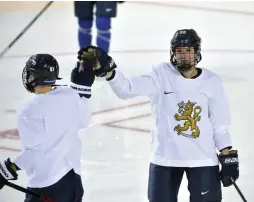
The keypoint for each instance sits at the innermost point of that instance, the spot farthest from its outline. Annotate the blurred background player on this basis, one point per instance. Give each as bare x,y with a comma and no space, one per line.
191,118
84,11
48,126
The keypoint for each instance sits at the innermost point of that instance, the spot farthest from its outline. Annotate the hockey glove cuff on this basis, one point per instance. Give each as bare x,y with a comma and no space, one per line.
230,168
82,78
7,172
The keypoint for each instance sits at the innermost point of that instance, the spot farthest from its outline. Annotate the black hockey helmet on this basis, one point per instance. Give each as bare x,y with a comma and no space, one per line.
40,69
185,38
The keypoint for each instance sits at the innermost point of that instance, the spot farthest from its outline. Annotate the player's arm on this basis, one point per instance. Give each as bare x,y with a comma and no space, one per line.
104,65
82,79
84,112
144,85
219,115
220,118
31,133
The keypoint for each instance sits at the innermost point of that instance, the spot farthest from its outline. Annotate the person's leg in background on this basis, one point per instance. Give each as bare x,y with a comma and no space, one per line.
105,10
84,12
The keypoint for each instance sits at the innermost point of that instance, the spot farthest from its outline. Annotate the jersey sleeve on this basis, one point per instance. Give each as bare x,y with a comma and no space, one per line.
144,85
31,131
84,112
219,115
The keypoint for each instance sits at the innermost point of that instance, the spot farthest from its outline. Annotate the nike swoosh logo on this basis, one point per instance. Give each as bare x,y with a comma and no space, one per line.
203,193
167,92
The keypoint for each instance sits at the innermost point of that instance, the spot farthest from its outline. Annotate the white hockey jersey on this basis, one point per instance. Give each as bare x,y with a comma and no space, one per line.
191,116
48,127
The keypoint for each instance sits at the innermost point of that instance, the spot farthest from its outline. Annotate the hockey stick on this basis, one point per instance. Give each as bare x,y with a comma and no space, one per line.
25,29
236,186
239,191
17,187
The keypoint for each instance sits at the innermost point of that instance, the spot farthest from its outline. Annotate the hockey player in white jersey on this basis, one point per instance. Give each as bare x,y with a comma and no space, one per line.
191,117
48,126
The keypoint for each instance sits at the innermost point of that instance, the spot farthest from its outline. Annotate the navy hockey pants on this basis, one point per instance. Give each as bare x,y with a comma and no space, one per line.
203,183
67,189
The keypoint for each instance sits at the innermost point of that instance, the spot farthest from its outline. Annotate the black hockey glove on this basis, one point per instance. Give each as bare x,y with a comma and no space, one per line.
100,60
82,78
230,168
6,172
